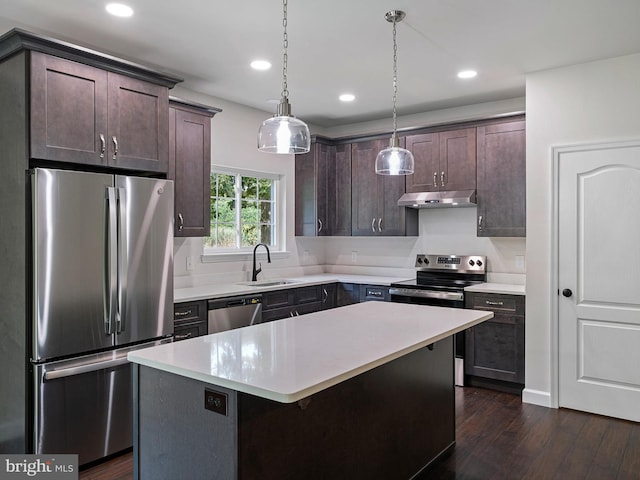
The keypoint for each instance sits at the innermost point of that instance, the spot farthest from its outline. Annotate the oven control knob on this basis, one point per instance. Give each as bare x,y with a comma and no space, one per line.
426,261
471,262
419,260
479,263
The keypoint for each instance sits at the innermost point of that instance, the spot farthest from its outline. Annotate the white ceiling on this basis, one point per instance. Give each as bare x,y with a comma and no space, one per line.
338,46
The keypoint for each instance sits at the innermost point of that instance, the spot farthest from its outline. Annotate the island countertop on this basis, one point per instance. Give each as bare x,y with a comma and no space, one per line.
290,359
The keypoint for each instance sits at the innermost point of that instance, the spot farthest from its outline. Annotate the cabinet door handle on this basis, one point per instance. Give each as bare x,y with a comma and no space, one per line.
435,179
180,222
442,179
325,295
115,147
479,222
319,225
380,225
291,313
103,145
297,314
182,314
489,302
182,337
373,225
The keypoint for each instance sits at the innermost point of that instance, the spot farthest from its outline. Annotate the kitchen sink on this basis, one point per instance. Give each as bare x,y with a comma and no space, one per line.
267,283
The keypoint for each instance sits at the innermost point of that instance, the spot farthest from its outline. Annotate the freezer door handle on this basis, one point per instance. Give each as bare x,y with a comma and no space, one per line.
80,369
111,261
123,259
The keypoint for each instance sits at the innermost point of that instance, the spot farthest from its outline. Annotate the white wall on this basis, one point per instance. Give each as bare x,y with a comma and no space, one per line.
234,137
591,102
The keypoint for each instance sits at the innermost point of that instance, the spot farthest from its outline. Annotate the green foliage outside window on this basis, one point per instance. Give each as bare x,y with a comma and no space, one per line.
242,211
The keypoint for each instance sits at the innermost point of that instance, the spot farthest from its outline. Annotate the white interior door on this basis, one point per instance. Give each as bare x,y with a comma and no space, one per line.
599,279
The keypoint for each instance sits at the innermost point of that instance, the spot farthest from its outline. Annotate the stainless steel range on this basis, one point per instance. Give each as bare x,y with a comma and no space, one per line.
440,281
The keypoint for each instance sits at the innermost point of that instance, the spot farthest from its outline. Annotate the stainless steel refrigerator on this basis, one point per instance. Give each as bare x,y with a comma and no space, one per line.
102,286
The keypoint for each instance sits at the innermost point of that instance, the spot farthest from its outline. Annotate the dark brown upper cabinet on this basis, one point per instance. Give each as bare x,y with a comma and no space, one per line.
323,191
83,114
375,210
502,180
443,160
190,166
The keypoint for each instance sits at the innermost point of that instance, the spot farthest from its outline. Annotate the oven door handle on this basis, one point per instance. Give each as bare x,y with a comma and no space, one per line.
414,292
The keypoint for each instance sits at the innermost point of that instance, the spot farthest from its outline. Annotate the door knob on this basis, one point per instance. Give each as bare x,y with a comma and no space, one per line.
567,292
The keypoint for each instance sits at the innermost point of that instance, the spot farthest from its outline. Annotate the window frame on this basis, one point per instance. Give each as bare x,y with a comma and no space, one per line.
278,247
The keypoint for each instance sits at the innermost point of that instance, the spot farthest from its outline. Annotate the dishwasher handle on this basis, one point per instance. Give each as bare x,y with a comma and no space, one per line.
235,303
217,303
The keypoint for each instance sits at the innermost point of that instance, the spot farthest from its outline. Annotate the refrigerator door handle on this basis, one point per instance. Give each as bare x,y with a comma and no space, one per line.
111,261
123,259
80,369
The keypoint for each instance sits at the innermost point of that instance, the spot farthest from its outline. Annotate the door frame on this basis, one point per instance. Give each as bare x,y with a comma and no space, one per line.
554,331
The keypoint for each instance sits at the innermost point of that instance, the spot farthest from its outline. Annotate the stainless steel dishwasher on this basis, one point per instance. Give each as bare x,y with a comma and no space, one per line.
234,312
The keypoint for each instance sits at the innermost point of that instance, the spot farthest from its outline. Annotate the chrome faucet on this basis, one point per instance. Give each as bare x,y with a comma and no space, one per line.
256,271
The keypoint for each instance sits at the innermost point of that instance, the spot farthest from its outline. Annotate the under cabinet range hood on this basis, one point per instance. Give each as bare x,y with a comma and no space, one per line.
457,198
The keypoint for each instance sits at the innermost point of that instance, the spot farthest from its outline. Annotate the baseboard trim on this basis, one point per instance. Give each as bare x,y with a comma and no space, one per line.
537,397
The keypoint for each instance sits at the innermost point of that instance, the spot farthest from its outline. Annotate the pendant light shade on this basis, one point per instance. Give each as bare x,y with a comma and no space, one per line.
395,160
284,133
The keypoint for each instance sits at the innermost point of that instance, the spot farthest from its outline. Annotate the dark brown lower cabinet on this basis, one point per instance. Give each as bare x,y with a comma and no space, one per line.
347,294
495,348
329,291
291,302
189,320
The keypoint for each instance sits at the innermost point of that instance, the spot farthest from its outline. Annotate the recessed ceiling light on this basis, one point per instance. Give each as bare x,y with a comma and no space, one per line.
347,97
119,9
467,74
260,65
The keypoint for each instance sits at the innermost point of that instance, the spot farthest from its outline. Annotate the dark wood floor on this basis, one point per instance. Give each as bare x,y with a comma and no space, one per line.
498,437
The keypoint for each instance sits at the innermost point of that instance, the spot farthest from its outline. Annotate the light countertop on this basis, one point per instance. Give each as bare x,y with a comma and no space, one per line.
504,288
290,359
206,292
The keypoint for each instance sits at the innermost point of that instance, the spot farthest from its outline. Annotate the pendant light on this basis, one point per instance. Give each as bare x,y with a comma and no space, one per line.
284,133
394,160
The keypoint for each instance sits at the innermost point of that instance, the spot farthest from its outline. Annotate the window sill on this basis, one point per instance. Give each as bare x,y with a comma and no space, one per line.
241,256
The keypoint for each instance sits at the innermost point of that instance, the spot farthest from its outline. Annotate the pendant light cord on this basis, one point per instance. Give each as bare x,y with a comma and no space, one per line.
285,44
395,77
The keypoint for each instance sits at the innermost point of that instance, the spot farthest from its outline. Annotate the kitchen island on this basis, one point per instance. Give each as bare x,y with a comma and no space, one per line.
363,391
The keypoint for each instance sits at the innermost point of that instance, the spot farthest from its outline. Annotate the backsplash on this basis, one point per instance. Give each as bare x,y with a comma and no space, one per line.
442,231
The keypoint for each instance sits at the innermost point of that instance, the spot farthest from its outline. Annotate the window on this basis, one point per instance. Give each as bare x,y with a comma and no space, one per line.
243,211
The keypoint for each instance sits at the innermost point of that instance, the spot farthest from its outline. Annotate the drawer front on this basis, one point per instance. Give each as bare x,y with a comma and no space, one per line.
189,311
189,330
513,304
374,292
278,299
308,294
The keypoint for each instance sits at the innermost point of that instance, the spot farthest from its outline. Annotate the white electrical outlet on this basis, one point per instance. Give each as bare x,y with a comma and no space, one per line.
354,257
189,263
